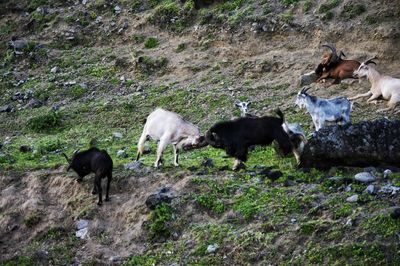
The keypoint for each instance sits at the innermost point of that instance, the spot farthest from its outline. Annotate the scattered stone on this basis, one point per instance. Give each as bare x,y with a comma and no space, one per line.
335,178
117,10
293,220
117,135
270,174
82,229
82,224
163,195
122,153
371,189
353,198
386,173
146,150
33,103
223,168
55,106
7,109
389,189
395,214
24,148
365,177
70,83
81,233
212,248
347,188
55,69
349,222
192,168
207,162
308,78
133,165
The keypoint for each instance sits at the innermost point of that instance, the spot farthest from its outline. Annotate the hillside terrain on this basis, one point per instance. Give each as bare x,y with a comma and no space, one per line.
73,71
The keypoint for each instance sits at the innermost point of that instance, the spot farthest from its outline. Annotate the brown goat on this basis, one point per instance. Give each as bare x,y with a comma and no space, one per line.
333,66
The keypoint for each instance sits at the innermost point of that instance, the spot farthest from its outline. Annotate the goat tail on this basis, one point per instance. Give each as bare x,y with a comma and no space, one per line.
280,114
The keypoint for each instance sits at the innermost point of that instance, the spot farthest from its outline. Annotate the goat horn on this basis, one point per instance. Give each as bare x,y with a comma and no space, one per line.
369,61
66,157
341,53
333,49
306,89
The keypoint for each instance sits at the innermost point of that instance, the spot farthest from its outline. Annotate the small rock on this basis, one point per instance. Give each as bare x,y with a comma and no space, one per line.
24,148
55,69
117,135
353,198
348,188
395,214
163,195
81,233
335,178
386,173
212,248
122,153
7,109
389,189
81,224
349,222
371,189
133,166
207,162
293,220
33,103
308,78
117,9
365,177
55,106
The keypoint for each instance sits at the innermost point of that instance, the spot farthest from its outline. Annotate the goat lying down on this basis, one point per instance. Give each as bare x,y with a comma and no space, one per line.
322,111
169,128
381,85
236,136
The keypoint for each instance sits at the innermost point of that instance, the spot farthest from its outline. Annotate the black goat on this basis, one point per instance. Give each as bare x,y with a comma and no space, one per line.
94,161
236,136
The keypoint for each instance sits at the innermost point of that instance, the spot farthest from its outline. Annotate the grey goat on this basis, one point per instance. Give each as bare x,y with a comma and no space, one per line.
322,111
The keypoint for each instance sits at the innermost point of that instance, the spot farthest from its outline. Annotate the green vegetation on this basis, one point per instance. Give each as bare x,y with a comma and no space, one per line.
289,2
324,8
33,219
45,122
159,222
307,6
150,43
351,11
287,17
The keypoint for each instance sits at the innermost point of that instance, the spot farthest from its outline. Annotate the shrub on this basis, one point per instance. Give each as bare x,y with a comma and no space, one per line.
160,218
351,11
151,42
45,122
328,6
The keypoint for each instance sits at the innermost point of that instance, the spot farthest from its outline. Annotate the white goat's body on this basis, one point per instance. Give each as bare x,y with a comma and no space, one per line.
168,128
323,111
381,85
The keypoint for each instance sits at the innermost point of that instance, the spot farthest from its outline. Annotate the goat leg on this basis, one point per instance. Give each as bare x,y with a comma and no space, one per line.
109,177
98,183
367,94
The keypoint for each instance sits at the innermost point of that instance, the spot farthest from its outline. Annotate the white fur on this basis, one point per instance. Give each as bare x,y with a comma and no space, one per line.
168,128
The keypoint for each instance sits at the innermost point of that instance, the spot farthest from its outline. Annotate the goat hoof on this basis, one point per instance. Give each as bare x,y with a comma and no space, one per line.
107,199
94,192
99,203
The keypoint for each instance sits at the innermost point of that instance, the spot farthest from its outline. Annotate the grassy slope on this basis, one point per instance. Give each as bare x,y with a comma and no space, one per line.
248,217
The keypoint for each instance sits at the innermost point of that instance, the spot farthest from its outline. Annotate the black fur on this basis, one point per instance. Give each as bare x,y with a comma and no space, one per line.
94,161
236,136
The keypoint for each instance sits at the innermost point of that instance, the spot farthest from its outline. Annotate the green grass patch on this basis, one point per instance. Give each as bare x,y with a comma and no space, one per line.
351,11
151,43
46,122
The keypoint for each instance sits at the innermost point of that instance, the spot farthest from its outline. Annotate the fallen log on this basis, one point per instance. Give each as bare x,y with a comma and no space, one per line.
368,143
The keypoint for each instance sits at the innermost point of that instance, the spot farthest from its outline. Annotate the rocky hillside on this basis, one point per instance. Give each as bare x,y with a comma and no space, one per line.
72,71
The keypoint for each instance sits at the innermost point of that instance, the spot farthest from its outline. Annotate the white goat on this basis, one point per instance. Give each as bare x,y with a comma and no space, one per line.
335,110
169,127
381,85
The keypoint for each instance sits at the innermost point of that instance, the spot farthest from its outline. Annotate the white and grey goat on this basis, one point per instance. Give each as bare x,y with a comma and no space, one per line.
381,85
322,111
244,108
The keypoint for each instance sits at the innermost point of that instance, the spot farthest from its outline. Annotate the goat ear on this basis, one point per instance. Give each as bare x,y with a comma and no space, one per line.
248,103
